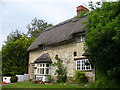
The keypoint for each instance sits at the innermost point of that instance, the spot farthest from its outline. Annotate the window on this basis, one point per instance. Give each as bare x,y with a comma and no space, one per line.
75,53
83,65
80,38
43,69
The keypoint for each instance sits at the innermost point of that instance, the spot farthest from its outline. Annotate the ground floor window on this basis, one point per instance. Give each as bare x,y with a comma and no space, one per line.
43,69
83,65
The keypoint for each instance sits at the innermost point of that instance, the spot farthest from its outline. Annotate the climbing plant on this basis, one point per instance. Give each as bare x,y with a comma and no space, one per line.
60,71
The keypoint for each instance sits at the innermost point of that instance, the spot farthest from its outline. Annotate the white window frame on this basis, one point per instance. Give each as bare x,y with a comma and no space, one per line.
80,65
44,67
82,38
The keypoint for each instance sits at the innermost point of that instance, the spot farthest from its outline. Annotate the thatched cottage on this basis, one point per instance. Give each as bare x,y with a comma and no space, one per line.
65,40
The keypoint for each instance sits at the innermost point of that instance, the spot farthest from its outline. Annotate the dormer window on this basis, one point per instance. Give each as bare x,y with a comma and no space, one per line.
80,38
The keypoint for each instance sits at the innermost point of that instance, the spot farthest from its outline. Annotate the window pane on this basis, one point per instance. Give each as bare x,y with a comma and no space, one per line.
47,70
87,67
82,66
43,65
47,65
38,71
78,62
40,65
78,68
41,70
83,38
37,65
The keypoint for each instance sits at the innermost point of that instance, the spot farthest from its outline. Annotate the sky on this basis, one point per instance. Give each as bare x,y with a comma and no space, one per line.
17,14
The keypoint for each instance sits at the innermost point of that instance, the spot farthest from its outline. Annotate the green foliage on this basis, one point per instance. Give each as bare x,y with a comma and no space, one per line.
36,27
13,79
15,56
60,71
114,73
93,6
103,82
13,36
28,84
70,79
103,39
61,78
80,77
82,14
30,79
49,78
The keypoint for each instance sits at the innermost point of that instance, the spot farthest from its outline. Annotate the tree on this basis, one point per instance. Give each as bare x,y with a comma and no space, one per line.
103,39
13,36
36,27
15,56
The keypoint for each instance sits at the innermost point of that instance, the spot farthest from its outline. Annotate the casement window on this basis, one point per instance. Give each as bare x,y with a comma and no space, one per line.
43,69
83,65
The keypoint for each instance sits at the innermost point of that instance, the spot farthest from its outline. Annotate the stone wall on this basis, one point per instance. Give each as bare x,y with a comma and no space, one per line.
64,52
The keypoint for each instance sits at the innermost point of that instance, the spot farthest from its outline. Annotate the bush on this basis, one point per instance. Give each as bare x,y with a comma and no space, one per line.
61,78
70,79
49,78
114,74
80,77
13,79
30,79
104,82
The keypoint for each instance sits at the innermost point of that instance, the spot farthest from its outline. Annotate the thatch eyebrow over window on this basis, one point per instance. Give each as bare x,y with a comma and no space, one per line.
44,58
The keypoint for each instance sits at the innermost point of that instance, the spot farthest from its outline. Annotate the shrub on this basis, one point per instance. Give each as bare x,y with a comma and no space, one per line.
104,82
49,78
30,79
70,79
61,78
80,77
114,74
13,79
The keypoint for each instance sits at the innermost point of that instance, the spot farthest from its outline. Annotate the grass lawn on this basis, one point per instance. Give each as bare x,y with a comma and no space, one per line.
28,84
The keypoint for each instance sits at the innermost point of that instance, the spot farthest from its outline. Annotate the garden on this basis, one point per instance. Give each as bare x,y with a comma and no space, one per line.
30,84
78,81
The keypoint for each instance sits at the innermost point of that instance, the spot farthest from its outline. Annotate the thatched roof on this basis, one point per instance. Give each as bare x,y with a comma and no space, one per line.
59,33
45,58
